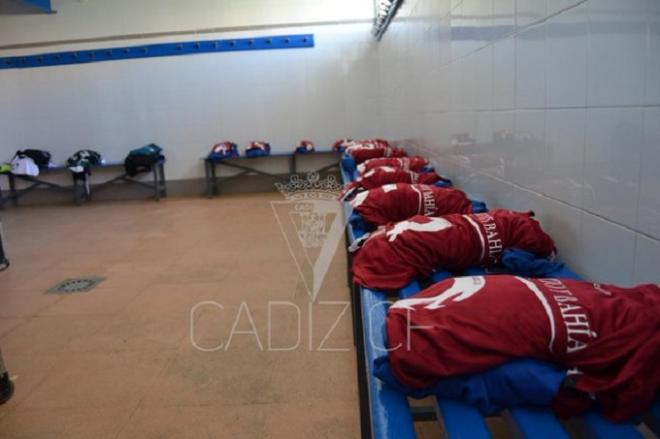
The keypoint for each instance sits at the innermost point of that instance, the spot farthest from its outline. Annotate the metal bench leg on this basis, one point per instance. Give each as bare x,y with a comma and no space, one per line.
76,195
84,193
154,171
214,178
12,190
207,177
3,199
161,169
88,188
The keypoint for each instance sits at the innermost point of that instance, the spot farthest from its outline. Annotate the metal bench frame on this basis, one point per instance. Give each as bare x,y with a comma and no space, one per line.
248,166
81,190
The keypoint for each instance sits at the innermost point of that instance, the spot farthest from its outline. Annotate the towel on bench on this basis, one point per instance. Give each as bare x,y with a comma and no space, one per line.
515,383
608,337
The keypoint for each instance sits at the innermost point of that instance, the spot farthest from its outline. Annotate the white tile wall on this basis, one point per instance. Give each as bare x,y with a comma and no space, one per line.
93,19
649,198
605,251
186,104
618,35
564,155
504,74
530,68
652,90
530,11
612,163
647,255
504,17
555,6
525,162
566,58
574,118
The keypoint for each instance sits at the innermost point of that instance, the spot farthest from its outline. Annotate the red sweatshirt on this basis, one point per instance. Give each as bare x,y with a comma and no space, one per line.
608,337
414,163
395,254
364,152
378,177
392,203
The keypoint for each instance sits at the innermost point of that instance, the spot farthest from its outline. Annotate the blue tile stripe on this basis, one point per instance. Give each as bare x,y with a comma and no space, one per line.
155,50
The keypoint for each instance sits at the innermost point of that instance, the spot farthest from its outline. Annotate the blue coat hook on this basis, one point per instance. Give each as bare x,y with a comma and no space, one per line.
156,50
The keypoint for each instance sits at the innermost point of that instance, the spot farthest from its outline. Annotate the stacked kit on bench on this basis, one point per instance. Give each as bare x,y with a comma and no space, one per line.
226,154
29,165
472,358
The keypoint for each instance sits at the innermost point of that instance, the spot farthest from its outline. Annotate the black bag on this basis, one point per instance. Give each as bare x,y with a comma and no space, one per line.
82,161
41,158
142,159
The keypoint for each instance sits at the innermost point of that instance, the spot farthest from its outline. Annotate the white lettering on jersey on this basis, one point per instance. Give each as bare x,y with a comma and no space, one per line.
600,288
546,307
430,208
359,199
434,225
419,198
574,315
389,187
492,235
387,169
479,234
462,289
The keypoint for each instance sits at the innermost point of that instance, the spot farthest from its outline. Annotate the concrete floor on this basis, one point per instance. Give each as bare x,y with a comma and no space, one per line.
118,362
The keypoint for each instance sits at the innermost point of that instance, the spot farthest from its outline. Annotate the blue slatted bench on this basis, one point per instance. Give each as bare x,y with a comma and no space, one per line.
389,414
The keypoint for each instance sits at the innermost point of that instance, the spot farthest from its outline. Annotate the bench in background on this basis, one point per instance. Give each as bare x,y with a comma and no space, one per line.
250,166
82,189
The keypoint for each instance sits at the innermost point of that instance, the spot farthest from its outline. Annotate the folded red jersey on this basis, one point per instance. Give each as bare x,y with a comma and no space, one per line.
371,149
392,203
414,163
394,255
608,337
378,177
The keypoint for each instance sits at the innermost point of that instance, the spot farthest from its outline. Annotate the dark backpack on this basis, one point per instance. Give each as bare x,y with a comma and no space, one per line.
142,159
39,157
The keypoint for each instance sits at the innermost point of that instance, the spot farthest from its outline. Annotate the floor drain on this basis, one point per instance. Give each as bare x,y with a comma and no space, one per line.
81,285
